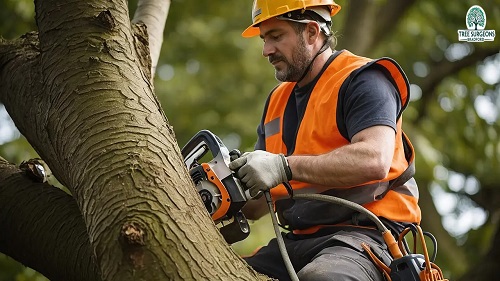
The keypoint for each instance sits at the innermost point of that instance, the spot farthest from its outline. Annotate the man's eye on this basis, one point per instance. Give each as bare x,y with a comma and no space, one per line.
272,37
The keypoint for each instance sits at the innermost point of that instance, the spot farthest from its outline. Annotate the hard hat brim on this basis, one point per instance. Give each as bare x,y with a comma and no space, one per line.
251,31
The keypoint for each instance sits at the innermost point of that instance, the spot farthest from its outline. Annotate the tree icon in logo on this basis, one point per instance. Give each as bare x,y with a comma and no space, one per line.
476,17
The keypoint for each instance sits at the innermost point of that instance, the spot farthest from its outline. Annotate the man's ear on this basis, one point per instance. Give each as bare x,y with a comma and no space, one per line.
313,31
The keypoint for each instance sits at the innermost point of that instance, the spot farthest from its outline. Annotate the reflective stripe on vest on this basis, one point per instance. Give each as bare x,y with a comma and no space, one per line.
318,133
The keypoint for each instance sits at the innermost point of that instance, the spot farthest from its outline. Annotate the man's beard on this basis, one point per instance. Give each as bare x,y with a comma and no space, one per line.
294,70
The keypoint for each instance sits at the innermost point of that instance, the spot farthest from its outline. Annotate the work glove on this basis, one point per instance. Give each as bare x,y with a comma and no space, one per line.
260,170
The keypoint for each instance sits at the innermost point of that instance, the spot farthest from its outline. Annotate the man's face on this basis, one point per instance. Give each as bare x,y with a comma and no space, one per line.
285,49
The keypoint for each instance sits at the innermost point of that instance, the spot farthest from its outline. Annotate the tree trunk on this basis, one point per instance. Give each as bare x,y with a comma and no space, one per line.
81,94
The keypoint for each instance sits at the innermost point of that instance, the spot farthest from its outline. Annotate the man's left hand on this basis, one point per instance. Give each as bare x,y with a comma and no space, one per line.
261,170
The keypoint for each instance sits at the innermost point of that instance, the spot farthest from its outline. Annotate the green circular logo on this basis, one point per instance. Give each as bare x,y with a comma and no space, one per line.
475,18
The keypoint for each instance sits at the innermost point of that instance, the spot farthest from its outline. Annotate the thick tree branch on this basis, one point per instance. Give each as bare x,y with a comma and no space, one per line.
43,228
16,52
153,13
22,91
442,69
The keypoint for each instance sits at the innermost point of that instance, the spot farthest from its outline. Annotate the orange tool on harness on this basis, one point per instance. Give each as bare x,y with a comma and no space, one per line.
407,266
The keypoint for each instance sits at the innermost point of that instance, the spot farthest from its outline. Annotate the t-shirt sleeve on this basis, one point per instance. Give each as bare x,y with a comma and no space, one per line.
370,100
261,134
261,138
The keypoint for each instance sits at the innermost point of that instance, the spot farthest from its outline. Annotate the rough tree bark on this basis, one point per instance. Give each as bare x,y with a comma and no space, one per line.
80,91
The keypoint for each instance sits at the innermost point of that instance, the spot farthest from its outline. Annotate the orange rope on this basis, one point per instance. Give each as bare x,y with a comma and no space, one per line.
381,265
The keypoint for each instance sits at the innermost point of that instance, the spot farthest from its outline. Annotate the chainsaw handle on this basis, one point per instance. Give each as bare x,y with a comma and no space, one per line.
200,143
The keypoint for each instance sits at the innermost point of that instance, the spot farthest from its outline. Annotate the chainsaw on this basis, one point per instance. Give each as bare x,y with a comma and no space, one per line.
221,192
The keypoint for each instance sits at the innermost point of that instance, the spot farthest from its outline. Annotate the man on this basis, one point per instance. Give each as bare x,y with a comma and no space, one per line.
333,126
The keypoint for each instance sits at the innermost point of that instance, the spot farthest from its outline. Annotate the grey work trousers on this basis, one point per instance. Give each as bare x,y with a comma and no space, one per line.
333,254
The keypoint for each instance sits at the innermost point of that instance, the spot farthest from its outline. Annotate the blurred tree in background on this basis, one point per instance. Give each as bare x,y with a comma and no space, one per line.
209,77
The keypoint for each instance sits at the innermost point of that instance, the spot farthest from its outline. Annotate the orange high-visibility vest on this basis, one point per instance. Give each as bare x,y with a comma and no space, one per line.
318,133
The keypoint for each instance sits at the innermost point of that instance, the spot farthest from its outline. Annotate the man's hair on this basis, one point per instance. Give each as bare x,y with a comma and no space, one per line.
299,27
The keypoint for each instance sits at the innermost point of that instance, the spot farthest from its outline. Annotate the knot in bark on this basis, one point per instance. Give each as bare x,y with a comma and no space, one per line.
133,234
105,20
34,169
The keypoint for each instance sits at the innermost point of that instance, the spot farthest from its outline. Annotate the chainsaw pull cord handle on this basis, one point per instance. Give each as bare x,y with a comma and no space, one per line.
279,239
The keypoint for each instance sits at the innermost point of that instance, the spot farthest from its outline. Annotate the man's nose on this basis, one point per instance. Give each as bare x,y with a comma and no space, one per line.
268,49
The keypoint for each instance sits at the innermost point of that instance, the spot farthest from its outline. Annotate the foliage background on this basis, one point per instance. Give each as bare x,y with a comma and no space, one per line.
209,77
